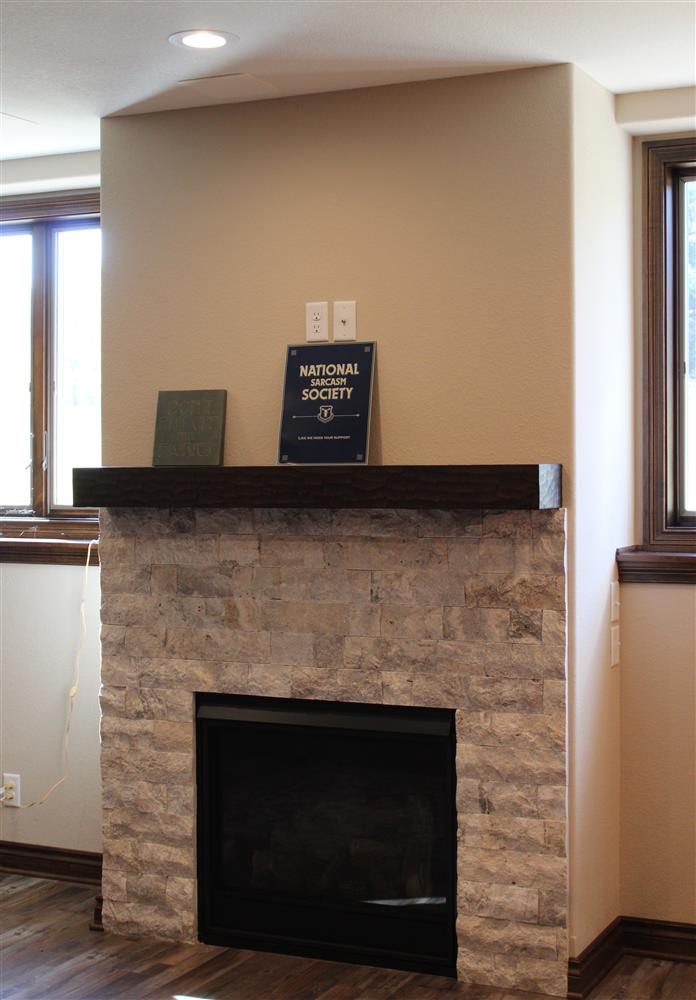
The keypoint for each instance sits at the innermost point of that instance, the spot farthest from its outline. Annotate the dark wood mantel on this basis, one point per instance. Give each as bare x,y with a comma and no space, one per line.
447,487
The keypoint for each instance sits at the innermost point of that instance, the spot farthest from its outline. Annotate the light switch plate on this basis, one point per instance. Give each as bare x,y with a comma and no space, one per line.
344,324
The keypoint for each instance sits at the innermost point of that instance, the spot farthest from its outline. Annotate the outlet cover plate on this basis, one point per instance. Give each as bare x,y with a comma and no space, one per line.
16,799
317,321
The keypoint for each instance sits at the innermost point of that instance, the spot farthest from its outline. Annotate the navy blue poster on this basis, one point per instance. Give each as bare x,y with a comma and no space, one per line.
326,404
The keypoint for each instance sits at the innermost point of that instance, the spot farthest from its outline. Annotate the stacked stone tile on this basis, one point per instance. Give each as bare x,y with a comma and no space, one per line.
464,610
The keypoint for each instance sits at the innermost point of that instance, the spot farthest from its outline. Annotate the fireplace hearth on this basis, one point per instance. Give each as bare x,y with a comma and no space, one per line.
328,829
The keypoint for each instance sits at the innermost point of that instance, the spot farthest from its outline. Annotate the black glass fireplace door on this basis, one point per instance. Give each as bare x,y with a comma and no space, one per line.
327,829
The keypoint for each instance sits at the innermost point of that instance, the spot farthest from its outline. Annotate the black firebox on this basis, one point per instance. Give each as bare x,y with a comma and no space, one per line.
328,829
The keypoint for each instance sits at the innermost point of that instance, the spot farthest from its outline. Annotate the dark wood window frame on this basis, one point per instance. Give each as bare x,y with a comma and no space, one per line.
46,535
668,551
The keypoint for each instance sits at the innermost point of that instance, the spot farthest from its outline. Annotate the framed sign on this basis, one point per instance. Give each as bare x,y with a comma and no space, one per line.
190,427
326,404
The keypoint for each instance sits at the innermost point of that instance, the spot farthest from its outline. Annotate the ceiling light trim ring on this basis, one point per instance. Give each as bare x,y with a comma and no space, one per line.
202,38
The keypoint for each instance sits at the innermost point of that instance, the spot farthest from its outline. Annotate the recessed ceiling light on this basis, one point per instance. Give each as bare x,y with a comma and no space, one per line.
202,39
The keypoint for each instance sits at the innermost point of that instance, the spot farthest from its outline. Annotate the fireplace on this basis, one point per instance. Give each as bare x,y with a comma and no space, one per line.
328,829
375,589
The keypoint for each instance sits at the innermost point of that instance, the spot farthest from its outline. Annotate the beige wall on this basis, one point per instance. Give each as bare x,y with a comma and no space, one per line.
602,512
39,636
447,210
658,716
658,752
442,208
490,259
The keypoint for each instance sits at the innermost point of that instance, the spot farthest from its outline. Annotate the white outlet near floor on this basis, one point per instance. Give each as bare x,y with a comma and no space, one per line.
12,796
317,321
344,325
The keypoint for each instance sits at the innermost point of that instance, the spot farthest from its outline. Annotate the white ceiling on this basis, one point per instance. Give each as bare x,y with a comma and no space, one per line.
66,63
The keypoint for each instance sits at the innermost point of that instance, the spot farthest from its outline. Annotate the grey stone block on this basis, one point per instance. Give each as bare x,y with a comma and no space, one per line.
218,643
477,624
180,550
497,763
402,621
306,553
519,591
525,625
394,655
507,937
502,902
385,554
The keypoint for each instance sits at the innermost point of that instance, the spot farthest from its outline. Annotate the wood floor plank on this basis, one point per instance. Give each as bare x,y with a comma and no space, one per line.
48,953
681,982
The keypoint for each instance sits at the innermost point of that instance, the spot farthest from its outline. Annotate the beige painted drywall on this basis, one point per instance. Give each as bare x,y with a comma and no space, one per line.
656,111
658,752
49,173
443,208
39,637
658,716
602,512
490,260
397,221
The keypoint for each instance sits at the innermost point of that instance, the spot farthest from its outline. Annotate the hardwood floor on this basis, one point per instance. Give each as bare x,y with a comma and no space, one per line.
48,953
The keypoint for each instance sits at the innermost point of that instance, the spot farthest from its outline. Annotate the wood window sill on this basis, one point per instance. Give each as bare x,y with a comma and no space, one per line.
57,541
638,565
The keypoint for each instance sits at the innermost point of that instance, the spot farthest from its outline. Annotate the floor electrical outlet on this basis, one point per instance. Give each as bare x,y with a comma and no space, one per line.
12,787
317,320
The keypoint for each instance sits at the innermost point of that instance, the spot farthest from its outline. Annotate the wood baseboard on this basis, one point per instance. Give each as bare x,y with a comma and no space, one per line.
629,936
51,862
592,964
658,939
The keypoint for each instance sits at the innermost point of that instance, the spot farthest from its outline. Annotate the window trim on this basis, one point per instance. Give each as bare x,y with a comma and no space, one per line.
668,551
685,518
48,535
663,160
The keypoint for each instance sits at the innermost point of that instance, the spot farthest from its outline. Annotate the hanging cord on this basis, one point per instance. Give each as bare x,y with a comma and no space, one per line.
72,694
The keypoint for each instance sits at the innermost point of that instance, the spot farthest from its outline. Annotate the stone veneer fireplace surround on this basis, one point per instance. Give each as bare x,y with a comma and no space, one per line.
457,609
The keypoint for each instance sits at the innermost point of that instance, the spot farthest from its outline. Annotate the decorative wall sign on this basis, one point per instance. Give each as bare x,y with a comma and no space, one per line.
190,427
326,404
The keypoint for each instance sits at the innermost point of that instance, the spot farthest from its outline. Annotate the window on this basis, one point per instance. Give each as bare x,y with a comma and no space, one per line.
668,552
50,267
685,323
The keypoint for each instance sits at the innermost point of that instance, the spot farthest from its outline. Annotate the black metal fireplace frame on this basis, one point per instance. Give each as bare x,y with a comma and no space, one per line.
220,709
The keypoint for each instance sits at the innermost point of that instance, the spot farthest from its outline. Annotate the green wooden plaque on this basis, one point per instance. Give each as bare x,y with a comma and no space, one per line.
190,427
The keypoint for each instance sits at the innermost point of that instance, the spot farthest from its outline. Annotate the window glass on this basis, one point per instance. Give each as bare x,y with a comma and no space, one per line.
76,357
15,369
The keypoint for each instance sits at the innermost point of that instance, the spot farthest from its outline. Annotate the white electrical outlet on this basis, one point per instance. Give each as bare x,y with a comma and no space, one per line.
344,325
615,646
12,785
615,597
317,320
